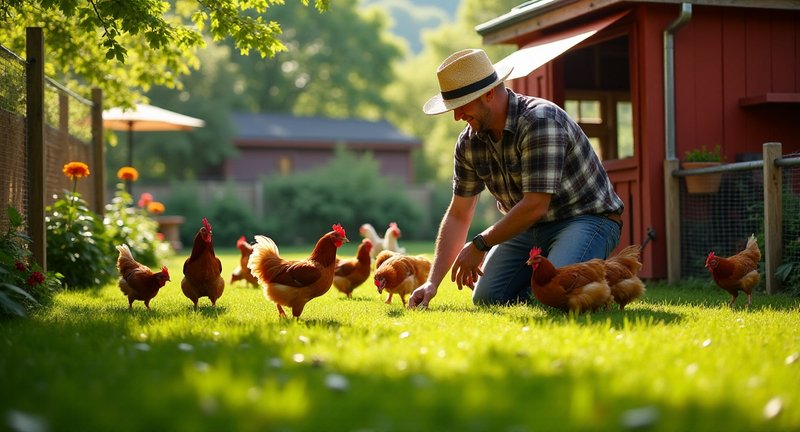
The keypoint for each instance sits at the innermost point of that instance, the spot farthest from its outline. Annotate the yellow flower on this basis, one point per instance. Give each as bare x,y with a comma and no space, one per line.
127,173
155,207
76,170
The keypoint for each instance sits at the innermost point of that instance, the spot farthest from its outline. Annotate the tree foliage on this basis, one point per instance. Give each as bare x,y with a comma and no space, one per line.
337,65
124,46
417,82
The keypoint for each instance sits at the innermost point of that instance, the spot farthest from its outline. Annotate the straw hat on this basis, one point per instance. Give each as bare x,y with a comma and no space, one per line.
463,77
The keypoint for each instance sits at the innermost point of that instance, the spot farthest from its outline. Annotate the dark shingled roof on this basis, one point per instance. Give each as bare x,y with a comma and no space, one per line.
286,127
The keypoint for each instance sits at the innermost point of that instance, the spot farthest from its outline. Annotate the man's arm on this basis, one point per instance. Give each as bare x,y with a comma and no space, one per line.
467,265
449,241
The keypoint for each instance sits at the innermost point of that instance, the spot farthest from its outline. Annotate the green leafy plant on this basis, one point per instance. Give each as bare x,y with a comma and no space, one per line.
77,243
135,227
23,284
703,155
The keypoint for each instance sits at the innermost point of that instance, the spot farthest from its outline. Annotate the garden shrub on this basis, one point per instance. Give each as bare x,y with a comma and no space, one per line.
231,218
349,190
134,226
23,284
77,243
184,200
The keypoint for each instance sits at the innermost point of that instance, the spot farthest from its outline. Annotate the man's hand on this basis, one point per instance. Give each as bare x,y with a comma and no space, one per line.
467,267
422,296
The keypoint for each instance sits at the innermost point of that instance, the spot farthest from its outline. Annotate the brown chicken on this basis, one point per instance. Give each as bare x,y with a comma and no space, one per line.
400,274
351,273
622,276
293,283
136,280
202,271
242,272
738,272
575,287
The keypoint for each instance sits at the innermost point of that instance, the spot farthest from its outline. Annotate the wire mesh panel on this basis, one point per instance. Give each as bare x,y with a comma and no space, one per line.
789,270
67,138
720,221
13,162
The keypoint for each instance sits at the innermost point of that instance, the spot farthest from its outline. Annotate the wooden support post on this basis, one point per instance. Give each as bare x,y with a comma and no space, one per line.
34,82
672,205
773,220
98,154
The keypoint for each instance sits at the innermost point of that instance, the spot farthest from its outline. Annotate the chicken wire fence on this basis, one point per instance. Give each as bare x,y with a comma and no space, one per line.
67,137
723,220
13,157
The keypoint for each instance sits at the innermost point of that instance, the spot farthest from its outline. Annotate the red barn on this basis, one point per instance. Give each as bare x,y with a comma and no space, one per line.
649,80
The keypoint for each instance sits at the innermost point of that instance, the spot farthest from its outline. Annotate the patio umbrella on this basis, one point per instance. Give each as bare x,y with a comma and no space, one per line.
147,118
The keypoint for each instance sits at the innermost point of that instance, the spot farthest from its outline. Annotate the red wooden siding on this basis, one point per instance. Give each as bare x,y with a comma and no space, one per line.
724,55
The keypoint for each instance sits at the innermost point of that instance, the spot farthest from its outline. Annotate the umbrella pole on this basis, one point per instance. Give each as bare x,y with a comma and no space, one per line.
129,185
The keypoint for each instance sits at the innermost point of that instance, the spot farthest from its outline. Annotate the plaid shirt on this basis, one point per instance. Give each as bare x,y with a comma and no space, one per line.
542,150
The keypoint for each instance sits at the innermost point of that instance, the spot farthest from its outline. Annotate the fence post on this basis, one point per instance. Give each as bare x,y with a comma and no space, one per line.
672,208
34,111
773,223
98,151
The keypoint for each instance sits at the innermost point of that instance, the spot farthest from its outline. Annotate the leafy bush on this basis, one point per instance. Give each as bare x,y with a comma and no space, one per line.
23,284
78,245
789,270
135,227
230,218
349,190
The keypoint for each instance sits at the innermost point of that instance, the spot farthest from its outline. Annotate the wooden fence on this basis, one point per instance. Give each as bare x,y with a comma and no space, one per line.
772,172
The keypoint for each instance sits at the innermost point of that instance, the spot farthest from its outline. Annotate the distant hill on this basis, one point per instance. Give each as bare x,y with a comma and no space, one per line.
411,17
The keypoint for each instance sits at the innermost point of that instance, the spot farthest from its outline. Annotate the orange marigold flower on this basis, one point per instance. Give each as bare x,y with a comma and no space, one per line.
127,173
76,170
160,236
155,207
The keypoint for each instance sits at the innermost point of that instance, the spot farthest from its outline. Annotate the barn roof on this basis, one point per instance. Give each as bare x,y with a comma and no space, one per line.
535,15
286,127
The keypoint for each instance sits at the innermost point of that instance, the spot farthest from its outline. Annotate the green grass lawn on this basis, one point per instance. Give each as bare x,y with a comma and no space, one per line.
677,360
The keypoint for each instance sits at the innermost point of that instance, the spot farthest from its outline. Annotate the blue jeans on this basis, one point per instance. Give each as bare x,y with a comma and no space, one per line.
506,276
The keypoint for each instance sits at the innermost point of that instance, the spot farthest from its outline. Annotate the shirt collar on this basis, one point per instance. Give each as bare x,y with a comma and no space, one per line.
511,117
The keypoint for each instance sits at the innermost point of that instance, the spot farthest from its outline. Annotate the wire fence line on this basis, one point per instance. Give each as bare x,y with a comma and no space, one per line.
721,221
13,157
71,131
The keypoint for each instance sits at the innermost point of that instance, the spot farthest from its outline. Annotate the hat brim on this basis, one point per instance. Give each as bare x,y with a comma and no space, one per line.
438,105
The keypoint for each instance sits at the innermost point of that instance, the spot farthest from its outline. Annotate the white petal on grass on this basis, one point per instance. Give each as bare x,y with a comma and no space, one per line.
303,339
706,343
142,337
526,329
202,366
141,346
24,422
185,347
405,334
792,358
298,358
773,408
639,418
337,382
691,369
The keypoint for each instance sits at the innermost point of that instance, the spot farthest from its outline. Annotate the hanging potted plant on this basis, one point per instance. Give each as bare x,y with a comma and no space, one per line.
702,158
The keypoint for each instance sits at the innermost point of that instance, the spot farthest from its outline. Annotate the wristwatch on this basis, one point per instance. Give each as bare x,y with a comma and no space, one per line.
480,243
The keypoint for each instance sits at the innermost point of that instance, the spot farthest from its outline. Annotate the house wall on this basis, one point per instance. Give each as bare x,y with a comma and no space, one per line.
253,162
